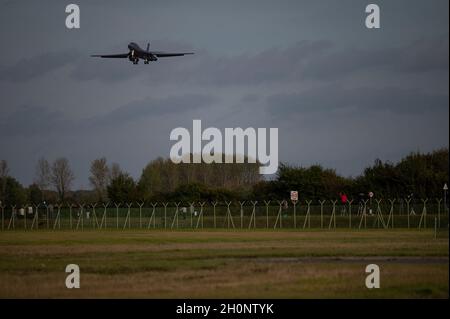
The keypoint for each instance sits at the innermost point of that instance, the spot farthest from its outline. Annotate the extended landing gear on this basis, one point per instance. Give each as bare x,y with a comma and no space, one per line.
136,61
146,61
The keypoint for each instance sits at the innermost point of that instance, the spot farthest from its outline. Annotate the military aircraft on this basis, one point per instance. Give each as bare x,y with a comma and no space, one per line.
136,53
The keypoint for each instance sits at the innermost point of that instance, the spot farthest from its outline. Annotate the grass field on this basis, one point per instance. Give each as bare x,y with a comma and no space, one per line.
224,264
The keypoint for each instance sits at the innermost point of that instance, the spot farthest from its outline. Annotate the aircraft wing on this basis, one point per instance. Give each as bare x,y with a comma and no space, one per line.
113,56
168,54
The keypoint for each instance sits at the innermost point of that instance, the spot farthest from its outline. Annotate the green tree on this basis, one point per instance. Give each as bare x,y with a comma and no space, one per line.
122,189
99,177
61,177
14,193
35,195
313,182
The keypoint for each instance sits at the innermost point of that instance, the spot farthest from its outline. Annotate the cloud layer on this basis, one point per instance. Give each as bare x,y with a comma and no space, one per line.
309,68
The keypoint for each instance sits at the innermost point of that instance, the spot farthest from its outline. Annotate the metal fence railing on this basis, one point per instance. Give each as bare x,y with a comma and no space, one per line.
322,214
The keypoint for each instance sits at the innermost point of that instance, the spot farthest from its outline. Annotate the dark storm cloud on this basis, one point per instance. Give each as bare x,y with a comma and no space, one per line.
416,57
32,120
255,62
306,60
361,100
250,98
155,107
36,66
37,120
268,66
320,60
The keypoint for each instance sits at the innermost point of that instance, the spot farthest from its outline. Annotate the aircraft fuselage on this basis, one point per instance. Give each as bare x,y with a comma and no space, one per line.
136,53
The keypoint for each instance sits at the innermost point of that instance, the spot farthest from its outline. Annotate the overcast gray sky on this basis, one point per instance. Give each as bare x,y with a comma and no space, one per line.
340,94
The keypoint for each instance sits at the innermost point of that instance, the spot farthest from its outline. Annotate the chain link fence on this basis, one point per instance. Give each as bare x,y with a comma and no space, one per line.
269,214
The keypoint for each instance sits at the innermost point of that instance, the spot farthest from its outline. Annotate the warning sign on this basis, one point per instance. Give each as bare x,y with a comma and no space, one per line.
294,196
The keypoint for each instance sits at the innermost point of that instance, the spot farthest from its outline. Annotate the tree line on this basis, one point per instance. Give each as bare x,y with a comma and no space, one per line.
418,174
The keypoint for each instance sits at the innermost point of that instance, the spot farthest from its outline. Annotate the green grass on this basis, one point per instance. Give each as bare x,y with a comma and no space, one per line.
225,263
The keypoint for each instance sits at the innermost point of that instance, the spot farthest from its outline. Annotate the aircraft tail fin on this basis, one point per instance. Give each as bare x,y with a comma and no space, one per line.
148,46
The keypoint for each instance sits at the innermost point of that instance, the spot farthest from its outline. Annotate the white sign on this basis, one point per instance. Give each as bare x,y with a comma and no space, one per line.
370,194
445,187
294,196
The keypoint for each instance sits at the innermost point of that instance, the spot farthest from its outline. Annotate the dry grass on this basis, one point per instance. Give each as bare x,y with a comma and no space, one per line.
224,264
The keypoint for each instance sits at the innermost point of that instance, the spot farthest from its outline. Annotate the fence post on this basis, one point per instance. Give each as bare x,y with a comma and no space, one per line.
80,217
94,215
46,212
308,214
350,213
165,214
3,217
152,216
321,202
279,216
242,212
267,202
25,216
423,216
380,219
363,214
229,216
439,201
435,227
58,217
104,217
140,213
11,219
391,213
35,218
200,215
214,212
175,217
408,200
253,216
117,214
70,215
128,217
333,215
402,206
191,211
294,202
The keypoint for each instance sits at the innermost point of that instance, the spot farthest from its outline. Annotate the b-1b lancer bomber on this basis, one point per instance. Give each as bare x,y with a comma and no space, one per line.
136,52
